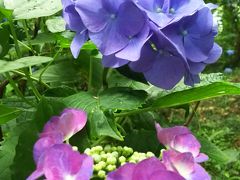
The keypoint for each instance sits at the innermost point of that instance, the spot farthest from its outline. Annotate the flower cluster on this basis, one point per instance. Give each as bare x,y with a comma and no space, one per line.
179,161
56,160
166,40
108,158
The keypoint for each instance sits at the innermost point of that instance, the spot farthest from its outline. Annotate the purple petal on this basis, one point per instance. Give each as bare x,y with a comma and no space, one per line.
131,19
69,123
191,79
147,167
166,71
168,175
199,173
201,158
93,15
214,54
183,163
77,43
44,143
61,162
147,58
109,40
186,143
112,5
113,61
132,51
72,18
166,135
124,172
197,49
196,68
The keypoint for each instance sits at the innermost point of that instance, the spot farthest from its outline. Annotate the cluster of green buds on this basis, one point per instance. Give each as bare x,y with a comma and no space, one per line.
109,158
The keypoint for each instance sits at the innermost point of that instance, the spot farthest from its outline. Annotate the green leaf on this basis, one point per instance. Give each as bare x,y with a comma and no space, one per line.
23,62
24,153
213,151
4,43
47,108
25,9
100,125
54,73
56,24
9,144
197,94
122,98
149,141
8,114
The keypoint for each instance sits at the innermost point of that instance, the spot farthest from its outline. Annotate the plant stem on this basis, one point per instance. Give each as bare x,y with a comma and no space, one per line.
54,58
17,91
15,39
189,120
90,76
19,54
33,78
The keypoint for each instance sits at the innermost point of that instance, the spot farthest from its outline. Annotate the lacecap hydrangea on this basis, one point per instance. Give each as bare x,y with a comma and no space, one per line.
166,40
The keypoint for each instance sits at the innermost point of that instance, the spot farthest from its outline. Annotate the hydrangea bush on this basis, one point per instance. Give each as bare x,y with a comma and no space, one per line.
83,86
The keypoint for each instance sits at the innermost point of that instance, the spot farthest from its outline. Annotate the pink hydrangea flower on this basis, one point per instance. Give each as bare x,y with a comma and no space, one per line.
68,123
184,164
61,162
180,139
148,169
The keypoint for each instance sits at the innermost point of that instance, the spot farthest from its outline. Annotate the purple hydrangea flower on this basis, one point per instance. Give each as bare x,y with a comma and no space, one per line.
228,70
61,162
148,169
180,139
163,65
230,52
164,12
111,24
195,37
68,123
74,23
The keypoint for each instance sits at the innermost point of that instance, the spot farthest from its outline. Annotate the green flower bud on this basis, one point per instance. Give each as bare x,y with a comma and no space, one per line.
114,149
87,151
103,164
122,159
107,148
97,148
101,174
150,154
111,167
119,148
97,167
111,160
114,154
104,156
97,158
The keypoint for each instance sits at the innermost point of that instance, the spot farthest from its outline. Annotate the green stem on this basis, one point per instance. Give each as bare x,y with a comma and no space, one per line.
54,58
90,74
19,54
33,78
15,39
27,35
17,91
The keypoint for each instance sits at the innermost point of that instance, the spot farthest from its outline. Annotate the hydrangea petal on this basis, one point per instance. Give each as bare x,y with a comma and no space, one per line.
113,61
166,72
132,51
77,43
124,172
168,175
147,167
214,54
201,158
93,15
166,135
69,123
61,162
186,143
199,173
